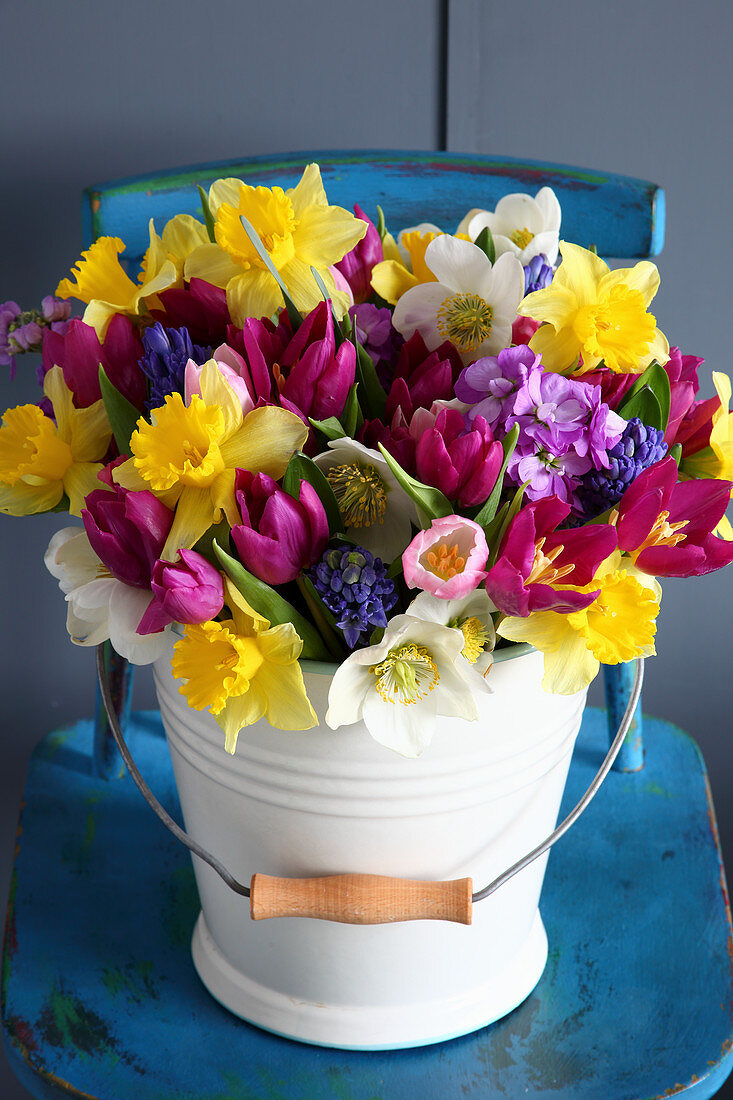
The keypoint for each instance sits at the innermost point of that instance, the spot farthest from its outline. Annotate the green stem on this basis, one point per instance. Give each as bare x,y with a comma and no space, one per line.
332,643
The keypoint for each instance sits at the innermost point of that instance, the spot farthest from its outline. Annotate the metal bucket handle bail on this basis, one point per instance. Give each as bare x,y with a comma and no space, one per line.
355,898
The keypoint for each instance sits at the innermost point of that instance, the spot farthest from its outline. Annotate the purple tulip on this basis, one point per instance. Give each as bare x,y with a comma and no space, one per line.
356,266
666,526
422,377
79,353
534,557
127,531
187,591
279,536
463,464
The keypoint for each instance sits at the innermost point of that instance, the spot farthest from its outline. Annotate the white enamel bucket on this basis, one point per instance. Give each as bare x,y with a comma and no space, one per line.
323,802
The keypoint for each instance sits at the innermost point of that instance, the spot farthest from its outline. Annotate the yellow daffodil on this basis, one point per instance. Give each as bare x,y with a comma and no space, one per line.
180,236
189,454
403,266
40,460
298,229
618,626
243,669
102,282
591,316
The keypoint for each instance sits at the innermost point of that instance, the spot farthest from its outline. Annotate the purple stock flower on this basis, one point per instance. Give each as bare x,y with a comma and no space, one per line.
490,384
187,591
537,274
548,412
9,312
55,310
355,588
375,332
164,363
463,464
356,266
127,531
279,536
547,474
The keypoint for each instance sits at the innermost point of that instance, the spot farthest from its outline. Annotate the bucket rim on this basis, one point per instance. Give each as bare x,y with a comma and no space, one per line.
508,653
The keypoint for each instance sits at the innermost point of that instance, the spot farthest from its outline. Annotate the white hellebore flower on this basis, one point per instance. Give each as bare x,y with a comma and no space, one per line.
100,607
471,615
377,512
474,302
400,686
521,224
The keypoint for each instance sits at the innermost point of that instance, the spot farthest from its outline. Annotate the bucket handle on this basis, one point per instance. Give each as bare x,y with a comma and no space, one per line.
357,898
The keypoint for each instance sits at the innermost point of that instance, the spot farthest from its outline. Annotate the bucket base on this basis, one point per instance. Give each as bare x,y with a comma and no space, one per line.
370,1027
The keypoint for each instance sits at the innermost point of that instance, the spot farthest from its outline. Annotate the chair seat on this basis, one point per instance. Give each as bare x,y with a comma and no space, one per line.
101,998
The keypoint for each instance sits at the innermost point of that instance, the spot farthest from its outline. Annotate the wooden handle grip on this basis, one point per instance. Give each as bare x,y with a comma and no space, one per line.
360,899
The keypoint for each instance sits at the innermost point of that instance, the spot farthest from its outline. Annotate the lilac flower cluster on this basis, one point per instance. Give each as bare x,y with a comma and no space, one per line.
638,448
23,331
164,364
355,588
565,429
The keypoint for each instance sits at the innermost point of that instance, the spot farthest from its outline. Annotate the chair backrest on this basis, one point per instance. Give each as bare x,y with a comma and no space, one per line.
621,216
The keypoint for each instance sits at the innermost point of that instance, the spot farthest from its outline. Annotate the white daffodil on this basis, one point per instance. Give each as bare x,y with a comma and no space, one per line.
520,224
400,686
376,511
100,607
471,615
473,303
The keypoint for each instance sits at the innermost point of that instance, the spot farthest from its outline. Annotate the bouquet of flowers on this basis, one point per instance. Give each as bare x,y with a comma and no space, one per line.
296,436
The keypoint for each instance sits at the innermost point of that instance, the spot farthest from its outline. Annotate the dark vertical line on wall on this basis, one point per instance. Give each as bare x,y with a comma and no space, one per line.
443,16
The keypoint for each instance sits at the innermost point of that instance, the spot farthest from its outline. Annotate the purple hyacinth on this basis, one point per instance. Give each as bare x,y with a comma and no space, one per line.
166,353
355,588
537,274
639,447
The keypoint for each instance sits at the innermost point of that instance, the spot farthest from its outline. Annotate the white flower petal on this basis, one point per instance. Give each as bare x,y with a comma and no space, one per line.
348,690
459,265
127,606
405,728
417,311
517,212
70,559
549,207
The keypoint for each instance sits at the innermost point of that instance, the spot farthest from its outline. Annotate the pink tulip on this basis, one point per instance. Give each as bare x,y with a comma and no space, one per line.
448,559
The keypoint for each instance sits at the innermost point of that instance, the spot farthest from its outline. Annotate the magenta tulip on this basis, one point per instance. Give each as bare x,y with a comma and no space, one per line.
463,464
200,307
278,536
356,266
127,531
79,353
422,377
187,591
534,557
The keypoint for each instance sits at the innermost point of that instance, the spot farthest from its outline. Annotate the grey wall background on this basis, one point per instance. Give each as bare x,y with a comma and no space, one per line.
95,90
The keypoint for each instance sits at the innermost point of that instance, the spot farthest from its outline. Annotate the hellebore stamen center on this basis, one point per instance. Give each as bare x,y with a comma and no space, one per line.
407,674
360,493
466,320
521,237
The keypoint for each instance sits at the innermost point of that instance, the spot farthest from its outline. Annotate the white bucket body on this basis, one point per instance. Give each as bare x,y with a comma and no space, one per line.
323,801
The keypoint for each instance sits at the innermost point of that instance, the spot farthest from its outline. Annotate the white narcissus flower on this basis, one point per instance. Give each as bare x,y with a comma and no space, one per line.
400,686
471,615
100,607
473,303
520,224
377,512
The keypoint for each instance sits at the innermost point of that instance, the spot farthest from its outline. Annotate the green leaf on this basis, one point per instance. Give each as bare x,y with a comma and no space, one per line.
271,605
676,452
123,416
351,415
485,242
381,224
331,427
488,510
295,318
337,331
430,501
323,616
301,468
373,397
513,507
655,382
208,216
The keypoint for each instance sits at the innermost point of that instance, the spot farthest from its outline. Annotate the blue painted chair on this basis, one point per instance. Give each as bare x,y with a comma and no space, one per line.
99,994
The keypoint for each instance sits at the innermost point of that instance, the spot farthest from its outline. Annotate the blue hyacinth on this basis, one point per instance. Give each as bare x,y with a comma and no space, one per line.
164,364
639,447
355,588
537,274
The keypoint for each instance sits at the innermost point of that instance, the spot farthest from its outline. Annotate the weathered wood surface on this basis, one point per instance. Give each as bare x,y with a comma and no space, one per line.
623,217
100,998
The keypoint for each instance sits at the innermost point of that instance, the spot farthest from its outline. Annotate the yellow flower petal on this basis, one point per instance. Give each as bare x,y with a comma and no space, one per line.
22,499
580,271
215,390
324,234
391,280
99,274
212,264
80,480
266,442
194,516
253,293
308,191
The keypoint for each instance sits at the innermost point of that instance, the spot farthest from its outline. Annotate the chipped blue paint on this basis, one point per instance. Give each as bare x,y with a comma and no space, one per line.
623,217
101,999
